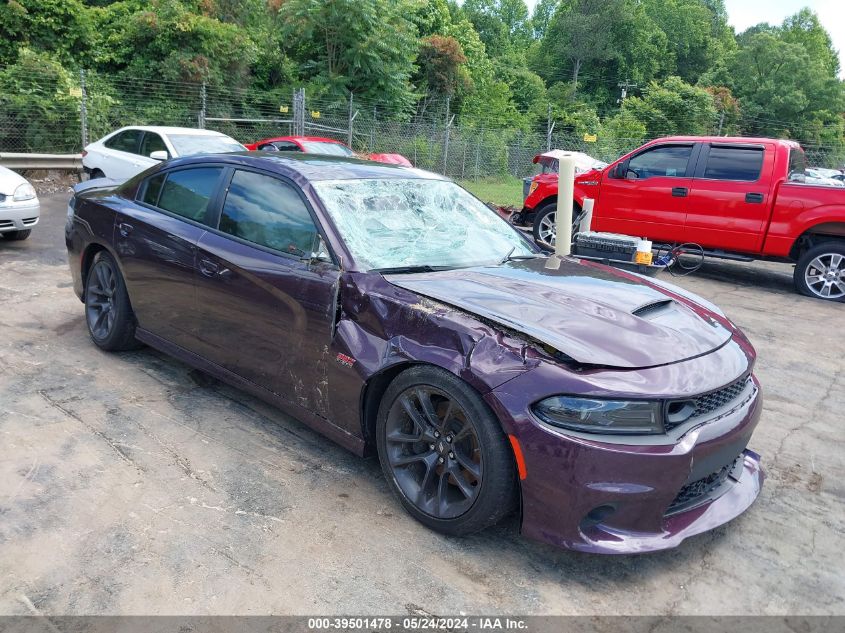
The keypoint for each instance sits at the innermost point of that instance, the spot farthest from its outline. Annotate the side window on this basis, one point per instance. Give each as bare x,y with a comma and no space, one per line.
669,160
152,189
187,192
797,165
734,163
266,211
152,143
288,146
125,141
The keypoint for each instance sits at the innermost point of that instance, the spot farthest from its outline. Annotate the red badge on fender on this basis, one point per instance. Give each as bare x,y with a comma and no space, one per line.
343,359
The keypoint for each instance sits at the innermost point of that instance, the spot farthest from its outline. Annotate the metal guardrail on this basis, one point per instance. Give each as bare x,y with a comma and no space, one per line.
64,162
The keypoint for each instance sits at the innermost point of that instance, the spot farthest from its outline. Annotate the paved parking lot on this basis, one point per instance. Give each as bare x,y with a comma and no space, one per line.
131,484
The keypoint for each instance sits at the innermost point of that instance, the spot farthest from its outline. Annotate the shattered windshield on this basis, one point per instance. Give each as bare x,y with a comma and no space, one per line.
414,222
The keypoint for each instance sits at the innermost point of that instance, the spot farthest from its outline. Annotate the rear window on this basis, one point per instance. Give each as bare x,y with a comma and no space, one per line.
734,163
797,164
329,149
187,192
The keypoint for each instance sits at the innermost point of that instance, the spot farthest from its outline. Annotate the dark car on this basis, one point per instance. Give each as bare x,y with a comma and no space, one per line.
396,314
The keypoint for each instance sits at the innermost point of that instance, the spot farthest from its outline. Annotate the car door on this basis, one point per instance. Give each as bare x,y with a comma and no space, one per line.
156,240
729,201
121,160
266,305
646,195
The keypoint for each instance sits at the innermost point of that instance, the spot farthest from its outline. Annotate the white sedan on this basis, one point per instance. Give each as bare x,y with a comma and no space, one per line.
130,150
19,207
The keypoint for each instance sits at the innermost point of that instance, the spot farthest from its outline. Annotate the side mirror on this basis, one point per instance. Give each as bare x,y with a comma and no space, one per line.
159,155
620,170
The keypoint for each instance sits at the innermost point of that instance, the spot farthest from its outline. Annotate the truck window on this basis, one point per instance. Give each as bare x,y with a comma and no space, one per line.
734,163
669,160
797,165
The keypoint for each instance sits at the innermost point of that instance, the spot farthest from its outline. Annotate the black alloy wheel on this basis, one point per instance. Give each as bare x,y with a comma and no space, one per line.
443,452
108,314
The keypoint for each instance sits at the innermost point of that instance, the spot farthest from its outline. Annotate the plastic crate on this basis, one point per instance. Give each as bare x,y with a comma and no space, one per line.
606,246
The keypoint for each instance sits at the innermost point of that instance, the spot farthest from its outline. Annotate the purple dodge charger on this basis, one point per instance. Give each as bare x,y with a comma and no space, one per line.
395,313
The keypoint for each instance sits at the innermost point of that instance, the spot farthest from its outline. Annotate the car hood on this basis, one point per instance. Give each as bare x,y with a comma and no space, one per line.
594,314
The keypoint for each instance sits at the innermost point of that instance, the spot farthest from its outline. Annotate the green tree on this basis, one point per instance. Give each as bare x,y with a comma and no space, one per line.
364,46
60,27
673,107
544,10
581,34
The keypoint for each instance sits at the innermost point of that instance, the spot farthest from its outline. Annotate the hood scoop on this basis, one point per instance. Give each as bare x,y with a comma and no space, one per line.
653,308
593,314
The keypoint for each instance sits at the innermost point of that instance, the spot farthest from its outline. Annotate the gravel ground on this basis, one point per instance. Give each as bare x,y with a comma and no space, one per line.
131,484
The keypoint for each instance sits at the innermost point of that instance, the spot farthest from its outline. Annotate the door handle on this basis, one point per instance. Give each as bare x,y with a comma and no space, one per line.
212,269
679,192
754,197
125,229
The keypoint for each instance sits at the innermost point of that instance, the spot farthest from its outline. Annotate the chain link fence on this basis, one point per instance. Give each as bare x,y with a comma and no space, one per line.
58,111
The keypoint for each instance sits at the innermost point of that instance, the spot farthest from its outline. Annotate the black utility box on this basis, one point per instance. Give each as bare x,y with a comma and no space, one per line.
606,246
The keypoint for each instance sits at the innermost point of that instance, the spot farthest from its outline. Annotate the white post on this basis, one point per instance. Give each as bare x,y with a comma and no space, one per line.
587,220
563,215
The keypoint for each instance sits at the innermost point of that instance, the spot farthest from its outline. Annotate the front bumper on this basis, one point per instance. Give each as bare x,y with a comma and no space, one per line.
19,216
620,496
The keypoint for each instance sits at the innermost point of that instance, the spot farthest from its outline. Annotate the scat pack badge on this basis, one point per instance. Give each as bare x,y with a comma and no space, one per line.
346,361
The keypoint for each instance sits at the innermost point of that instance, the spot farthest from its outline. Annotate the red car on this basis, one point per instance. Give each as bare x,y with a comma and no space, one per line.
739,198
321,145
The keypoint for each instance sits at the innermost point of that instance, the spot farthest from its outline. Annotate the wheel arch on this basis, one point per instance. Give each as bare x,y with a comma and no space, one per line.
817,234
371,395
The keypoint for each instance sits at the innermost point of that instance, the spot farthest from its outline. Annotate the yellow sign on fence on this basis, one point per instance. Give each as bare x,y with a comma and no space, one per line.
315,114
283,109
590,138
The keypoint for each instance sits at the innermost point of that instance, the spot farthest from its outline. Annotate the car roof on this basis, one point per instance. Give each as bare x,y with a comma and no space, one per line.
743,140
311,167
314,139
168,130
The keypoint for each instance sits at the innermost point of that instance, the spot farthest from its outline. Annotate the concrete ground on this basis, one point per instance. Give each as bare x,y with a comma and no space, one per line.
130,484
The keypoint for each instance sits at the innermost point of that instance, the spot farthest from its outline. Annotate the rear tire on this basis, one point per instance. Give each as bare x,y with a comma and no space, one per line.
108,314
97,173
443,452
820,272
16,236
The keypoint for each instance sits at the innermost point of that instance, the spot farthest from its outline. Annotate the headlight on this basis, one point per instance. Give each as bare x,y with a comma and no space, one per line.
589,415
24,192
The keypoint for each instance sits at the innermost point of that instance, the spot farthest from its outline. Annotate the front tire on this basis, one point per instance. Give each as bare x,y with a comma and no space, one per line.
97,173
545,228
16,236
108,313
443,452
820,272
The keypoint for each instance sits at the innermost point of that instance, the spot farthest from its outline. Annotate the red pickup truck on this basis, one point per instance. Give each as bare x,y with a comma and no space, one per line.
739,198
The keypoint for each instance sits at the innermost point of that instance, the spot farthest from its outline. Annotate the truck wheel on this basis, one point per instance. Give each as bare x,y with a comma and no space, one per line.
820,272
545,227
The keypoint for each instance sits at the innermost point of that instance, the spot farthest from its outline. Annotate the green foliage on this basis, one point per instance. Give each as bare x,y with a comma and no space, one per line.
499,67
367,47
673,107
39,104
60,27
